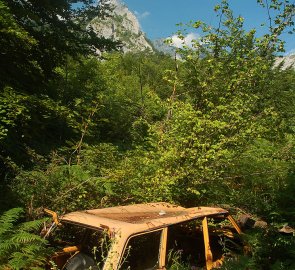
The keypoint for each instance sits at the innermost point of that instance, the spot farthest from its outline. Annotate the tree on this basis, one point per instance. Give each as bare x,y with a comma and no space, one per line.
37,36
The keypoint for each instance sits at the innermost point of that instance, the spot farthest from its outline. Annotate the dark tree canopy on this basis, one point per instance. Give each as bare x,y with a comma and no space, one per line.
37,36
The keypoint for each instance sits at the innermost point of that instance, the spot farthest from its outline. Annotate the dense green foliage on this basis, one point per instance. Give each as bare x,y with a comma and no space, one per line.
216,127
20,246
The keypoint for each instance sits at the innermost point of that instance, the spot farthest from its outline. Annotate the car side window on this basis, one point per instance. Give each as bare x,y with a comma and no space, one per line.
185,245
142,252
91,243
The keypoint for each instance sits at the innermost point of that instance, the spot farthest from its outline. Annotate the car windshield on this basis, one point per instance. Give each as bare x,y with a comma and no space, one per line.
94,243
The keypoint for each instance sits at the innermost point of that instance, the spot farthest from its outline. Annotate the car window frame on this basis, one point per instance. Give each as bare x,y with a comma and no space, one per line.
163,241
162,255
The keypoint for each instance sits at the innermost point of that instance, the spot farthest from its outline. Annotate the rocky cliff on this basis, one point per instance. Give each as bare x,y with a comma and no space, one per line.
121,25
286,61
161,46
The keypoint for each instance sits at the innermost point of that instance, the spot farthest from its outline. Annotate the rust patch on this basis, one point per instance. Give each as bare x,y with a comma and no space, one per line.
139,217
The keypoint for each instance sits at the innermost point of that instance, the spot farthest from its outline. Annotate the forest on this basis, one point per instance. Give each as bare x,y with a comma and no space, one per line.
214,126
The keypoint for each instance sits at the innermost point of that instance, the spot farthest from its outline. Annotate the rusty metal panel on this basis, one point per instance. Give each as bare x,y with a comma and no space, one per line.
163,246
140,217
208,252
234,223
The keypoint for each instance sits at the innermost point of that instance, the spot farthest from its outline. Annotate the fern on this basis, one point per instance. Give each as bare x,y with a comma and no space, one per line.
32,225
8,218
22,237
20,248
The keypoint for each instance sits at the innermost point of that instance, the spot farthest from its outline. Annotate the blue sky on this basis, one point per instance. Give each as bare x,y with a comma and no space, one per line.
158,18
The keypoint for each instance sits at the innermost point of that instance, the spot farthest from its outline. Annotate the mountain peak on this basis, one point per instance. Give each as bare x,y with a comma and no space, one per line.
122,25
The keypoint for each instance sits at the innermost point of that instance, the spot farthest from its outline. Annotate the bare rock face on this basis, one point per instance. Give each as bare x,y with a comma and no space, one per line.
246,221
260,224
286,61
122,25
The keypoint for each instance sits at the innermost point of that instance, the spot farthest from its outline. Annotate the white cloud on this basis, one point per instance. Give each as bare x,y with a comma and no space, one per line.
292,52
145,14
142,15
187,40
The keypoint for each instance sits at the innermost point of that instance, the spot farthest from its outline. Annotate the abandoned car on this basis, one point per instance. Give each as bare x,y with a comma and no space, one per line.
141,237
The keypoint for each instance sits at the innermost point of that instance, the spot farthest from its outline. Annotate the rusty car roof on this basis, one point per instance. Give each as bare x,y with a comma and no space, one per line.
139,217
